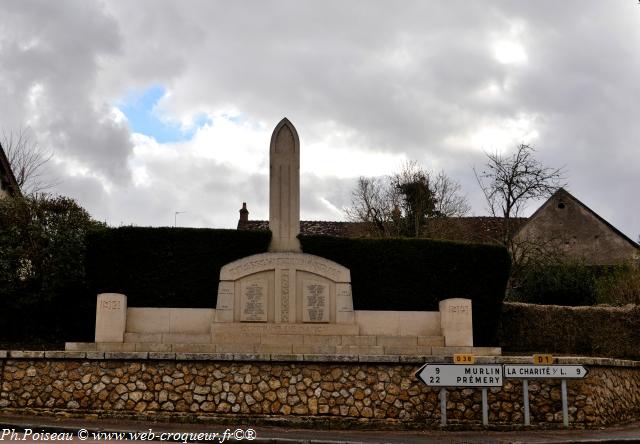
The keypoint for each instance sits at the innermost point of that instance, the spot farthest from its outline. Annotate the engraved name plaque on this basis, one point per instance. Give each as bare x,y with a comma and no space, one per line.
315,300
254,301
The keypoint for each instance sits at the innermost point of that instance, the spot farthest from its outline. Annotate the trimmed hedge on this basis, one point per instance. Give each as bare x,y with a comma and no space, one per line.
415,274
166,267
587,331
577,283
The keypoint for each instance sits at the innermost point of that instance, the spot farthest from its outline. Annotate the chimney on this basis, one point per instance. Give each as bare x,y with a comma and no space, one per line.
244,215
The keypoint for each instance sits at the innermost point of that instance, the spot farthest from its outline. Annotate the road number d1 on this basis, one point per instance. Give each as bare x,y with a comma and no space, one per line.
543,359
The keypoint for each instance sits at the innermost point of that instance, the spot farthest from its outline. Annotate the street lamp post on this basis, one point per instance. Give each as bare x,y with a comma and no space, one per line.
175,218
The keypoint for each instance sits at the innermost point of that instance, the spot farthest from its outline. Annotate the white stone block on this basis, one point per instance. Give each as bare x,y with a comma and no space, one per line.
191,320
398,323
148,320
111,317
456,322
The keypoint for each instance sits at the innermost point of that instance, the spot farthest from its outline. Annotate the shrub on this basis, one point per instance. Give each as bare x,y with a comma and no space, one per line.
42,273
585,331
560,284
576,284
620,286
415,274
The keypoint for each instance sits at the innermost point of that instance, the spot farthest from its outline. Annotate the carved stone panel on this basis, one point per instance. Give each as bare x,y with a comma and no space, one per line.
224,304
254,296
270,261
111,317
344,304
315,301
456,322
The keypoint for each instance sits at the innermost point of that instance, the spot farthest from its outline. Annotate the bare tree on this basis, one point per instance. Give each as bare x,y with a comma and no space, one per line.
372,204
27,160
450,201
510,182
403,202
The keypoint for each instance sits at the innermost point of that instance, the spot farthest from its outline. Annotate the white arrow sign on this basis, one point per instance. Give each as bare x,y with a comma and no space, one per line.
545,371
450,375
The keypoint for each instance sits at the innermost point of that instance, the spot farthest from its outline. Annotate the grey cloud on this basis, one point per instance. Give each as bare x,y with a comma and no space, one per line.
398,77
55,50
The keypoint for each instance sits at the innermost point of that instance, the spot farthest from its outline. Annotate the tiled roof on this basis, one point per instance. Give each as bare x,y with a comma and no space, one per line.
471,229
464,229
309,227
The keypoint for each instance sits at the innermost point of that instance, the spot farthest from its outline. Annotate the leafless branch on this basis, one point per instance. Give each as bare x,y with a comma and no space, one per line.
28,160
510,182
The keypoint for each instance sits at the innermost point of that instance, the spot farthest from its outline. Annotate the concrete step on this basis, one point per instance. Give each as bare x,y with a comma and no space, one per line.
297,347
246,328
167,338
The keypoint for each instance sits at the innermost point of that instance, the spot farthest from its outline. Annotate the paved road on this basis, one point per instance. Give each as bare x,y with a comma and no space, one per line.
279,435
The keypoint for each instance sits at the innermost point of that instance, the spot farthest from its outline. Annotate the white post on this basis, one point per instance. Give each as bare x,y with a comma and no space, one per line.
485,407
565,410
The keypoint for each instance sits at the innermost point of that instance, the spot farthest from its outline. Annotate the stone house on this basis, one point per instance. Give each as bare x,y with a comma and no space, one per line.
562,223
8,184
566,224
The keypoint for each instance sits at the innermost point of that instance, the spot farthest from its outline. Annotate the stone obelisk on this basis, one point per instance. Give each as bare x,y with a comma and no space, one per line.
285,285
284,188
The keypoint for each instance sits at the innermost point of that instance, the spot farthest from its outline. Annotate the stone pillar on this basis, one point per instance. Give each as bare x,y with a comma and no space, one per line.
111,317
284,188
456,322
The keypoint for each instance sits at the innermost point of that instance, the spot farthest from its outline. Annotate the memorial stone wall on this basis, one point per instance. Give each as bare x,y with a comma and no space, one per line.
347,394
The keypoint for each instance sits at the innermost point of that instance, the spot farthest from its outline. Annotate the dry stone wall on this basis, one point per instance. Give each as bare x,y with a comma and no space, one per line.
363,392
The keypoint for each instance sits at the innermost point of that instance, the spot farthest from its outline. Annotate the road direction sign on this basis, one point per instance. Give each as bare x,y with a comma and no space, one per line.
544,371
452,375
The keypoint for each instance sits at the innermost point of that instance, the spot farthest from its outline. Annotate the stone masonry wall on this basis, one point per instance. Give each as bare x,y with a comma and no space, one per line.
358,391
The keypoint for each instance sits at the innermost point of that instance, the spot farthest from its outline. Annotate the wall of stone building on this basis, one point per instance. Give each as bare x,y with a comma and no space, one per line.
565,224
363,392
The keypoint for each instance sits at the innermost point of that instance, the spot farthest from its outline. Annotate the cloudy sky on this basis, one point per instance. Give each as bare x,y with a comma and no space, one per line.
153,107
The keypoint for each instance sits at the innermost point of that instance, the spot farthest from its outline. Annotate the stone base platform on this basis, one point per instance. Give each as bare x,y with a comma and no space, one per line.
296,353
369,333
284,339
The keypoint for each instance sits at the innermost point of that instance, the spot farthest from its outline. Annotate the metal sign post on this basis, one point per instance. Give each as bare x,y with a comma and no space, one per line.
443,406
525,398
565,410
485,407
562,372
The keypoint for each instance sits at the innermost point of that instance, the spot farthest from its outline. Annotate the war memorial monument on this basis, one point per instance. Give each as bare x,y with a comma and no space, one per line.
284,301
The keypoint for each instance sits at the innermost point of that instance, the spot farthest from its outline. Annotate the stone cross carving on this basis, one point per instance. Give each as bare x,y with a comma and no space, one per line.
284,188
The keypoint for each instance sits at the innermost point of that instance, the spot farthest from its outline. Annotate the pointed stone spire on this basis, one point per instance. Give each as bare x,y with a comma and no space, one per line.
284,188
